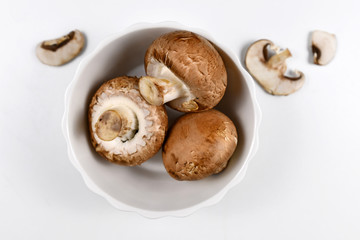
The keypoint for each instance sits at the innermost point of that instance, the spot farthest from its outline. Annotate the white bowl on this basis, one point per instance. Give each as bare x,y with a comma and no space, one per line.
148,189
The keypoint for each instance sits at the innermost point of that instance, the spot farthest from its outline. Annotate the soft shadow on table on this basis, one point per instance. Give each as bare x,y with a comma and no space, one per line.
243,52
309,47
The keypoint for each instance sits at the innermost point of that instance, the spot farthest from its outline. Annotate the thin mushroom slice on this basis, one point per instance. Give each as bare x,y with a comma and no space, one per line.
270,70
59,51
323,45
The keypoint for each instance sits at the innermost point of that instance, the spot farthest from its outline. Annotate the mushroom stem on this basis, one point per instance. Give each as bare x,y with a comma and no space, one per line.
121,122
108,125
158,91
278,59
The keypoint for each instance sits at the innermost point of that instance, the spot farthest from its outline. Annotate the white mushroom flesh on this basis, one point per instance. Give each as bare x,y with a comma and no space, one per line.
133,133
323,47
271,73
163,85
59,51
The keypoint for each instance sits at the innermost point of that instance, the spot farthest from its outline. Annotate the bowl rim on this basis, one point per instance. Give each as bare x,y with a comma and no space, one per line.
179,212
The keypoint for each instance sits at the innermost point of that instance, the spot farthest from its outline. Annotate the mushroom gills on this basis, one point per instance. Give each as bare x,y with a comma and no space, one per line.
162,85
136,130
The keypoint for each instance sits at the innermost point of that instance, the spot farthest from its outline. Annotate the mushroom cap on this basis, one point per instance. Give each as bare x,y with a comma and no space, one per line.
195,61
60,51
323,46
152,122
199,145
270,73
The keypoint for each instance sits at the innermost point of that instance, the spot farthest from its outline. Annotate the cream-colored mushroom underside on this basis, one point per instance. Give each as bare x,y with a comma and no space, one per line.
122,105
160,70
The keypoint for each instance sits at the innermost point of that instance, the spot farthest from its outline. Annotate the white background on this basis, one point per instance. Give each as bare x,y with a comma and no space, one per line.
304,182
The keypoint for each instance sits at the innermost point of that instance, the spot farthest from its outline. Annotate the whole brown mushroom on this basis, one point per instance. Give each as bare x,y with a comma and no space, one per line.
124,128
199,145
185,71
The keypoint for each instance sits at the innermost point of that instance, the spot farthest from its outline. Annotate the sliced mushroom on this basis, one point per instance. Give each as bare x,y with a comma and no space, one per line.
199,145
266,63
185,71
61,50
323,47
124,128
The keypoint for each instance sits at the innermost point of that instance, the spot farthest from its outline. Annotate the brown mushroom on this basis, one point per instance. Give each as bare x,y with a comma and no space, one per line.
185,71
61,50
266,63
199,145
124,128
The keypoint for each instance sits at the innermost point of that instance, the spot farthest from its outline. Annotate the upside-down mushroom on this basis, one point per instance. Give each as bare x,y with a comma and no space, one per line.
124,128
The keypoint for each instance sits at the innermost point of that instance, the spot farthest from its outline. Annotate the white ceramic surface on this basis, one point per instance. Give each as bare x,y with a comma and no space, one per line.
148,189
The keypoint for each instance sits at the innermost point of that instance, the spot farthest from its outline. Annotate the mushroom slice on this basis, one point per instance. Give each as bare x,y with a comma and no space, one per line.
124,128
266,63
323,46
199,145
59,51
185,71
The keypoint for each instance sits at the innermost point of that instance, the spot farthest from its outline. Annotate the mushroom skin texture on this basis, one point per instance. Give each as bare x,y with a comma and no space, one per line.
270,71
59,51
199,145
185,71
323,45
124,128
